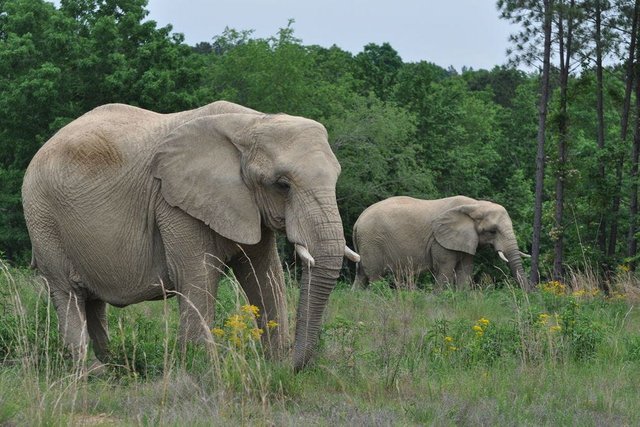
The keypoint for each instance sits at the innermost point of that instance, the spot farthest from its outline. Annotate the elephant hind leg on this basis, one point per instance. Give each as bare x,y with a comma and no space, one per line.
96,312
61,281
72,321
361,280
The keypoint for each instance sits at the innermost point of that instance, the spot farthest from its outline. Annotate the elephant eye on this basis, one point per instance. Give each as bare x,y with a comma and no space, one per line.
282,185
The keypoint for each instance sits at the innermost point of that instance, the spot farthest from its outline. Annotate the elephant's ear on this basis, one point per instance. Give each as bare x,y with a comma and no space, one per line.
455,230
199,166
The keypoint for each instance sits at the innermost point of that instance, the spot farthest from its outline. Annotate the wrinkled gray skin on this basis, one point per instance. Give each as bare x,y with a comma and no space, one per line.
407,235
125,205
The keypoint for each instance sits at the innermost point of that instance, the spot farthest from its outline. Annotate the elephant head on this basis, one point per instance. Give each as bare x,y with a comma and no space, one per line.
242,172
463,228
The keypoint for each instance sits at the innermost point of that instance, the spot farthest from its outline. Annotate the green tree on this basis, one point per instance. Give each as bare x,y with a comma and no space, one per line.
376,146
377,68
502,81
56,64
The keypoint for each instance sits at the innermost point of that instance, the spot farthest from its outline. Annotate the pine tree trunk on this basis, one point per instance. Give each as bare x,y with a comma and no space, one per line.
602,231
542,120
563,136
632,248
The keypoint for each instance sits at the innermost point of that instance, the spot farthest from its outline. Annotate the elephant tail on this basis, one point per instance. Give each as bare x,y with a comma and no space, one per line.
33,265
355,239
360,281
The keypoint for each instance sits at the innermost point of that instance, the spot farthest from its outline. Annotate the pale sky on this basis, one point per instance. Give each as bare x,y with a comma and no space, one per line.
445,32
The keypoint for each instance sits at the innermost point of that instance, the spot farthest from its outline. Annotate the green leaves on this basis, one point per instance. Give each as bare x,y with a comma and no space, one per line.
376,146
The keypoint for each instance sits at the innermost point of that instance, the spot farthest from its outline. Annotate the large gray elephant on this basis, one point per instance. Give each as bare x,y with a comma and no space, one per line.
409,236
125,205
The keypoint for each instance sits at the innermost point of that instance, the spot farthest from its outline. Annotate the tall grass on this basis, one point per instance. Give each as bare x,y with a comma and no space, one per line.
559,355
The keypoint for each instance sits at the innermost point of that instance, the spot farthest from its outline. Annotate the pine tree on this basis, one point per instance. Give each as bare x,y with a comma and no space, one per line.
534,16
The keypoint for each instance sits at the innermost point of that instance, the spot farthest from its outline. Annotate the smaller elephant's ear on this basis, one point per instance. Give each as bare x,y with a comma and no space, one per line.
199,166
455,230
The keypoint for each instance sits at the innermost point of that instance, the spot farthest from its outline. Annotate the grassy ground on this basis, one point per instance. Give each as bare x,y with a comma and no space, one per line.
387,357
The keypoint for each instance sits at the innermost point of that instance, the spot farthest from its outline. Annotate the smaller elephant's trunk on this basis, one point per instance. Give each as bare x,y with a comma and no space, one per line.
517,271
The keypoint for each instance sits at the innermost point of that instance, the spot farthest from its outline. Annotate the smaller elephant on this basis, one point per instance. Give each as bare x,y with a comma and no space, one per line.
409,236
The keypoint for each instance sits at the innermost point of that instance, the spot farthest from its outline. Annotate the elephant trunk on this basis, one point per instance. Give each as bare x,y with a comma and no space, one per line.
515,264
327,247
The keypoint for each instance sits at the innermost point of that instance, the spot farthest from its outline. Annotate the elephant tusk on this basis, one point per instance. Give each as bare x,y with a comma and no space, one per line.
351,255
502,257
304,254
522,254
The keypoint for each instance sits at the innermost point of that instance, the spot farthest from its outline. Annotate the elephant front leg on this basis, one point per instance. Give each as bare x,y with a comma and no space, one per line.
445,272
445,266
196,300
464,272
259,271
195,261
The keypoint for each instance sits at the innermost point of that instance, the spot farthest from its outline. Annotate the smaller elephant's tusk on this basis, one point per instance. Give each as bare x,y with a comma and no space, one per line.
351,255
304,254
522,254
502,257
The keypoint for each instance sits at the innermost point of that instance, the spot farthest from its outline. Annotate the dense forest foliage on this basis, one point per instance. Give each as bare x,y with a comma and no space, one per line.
397,128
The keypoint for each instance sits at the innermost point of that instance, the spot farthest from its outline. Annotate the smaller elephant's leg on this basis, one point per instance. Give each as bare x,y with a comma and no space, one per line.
376,275
259,272
445,278
464,271
446,273
444,263
98,332
361,280
372,271
72,321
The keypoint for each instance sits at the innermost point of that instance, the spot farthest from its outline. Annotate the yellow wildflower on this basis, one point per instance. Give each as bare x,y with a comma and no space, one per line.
543,318
617,295
448,339
272,324
218,332
236,322
554,287
251,309
483,321
452,348
256,333
624,268
477,328
555,328
236,341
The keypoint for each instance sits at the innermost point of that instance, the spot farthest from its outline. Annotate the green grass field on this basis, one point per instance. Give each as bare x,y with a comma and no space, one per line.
387,357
